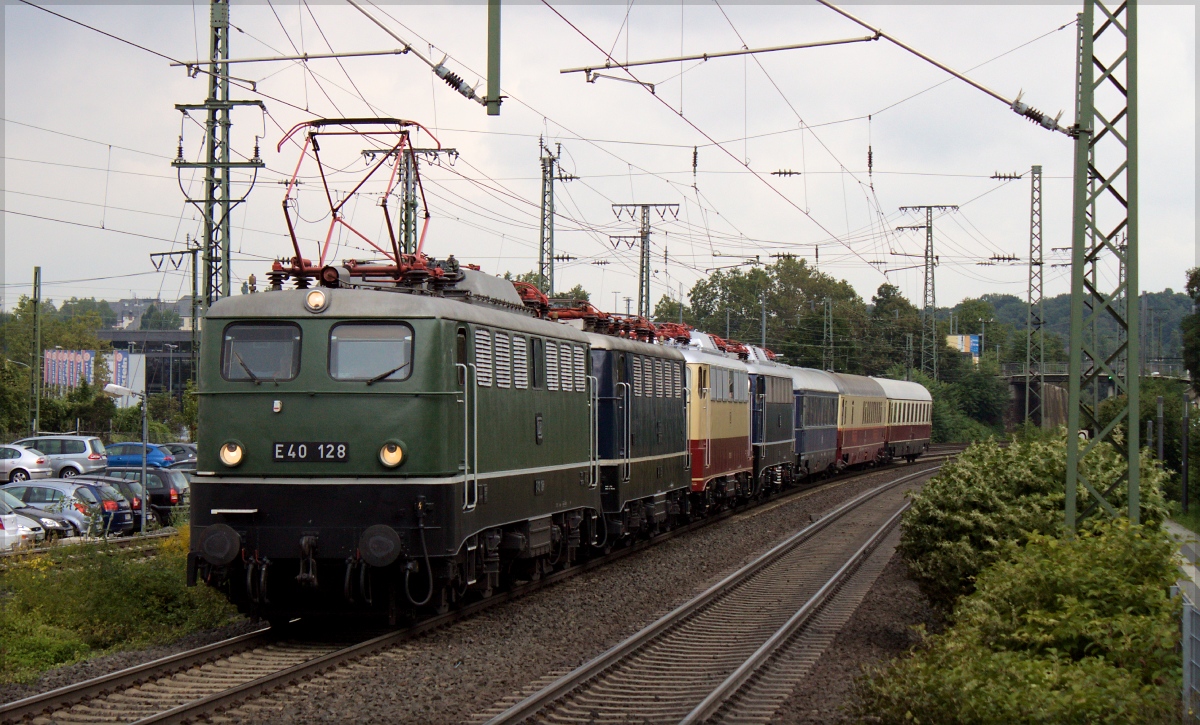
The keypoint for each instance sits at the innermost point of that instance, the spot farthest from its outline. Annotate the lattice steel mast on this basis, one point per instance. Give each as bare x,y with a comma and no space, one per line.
1035,345
551,172
216,204
929,341
1105,222
644,252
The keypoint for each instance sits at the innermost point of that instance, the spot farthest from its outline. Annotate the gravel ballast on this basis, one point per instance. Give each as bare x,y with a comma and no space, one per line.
105,664
881,629
476,667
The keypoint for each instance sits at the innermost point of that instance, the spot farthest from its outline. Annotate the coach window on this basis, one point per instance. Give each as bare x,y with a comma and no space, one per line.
373,352
260,351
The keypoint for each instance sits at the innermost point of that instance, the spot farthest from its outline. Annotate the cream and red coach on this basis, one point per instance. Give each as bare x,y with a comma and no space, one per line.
909,418
862,420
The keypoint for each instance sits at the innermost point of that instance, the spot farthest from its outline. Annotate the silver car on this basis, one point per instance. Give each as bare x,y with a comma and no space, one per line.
70,455
23,464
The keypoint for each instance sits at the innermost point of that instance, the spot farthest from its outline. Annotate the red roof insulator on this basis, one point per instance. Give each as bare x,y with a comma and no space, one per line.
532,297
674,331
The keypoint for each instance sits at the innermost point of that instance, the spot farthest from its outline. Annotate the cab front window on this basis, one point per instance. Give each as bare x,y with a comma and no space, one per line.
260,351
371,352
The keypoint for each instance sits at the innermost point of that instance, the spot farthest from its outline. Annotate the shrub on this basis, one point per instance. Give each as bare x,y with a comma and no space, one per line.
76,601
1064,631
991,495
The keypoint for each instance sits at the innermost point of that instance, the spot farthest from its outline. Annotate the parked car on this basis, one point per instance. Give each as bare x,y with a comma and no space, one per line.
32,528
57,525
130,488
169,490
130,454
100,507
21,464
12,534
184,453
69,455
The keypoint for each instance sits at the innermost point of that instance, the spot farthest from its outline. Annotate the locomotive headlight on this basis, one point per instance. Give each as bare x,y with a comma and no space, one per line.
316,300
232,454
392,454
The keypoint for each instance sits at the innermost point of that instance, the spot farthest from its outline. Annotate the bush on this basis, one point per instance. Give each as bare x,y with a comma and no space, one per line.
991,495
78,601
1063,631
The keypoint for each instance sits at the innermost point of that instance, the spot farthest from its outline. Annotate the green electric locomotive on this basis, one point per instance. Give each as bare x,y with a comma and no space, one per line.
383,449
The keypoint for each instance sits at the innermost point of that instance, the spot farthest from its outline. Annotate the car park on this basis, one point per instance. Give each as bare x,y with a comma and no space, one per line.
130,454
169,490
101,509
56,525
22,464
69,455
12,534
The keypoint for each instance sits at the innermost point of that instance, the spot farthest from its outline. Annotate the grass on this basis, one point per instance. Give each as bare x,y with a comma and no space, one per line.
77,602
1190,520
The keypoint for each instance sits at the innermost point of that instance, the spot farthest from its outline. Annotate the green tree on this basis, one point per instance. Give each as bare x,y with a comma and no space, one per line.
575,293
76,306
165,319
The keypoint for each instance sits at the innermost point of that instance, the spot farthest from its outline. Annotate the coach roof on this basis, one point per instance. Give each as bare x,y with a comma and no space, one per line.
903,390
857,385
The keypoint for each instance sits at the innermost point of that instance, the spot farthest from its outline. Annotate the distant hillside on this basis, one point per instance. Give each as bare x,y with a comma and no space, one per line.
1164,311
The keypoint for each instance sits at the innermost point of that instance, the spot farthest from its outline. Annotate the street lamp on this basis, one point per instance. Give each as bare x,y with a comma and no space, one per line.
170,366
120,391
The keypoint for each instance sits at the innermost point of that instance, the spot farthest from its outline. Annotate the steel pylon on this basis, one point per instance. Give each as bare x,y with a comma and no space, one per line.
1035,345
1104,232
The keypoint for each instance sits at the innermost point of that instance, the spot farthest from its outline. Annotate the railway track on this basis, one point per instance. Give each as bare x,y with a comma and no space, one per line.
691,663
73,546
192,685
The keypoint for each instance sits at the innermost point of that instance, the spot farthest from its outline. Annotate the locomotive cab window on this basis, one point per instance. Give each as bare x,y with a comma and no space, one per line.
370,352
260,351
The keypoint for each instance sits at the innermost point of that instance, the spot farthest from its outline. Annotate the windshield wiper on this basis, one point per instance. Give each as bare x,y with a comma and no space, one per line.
246,368
389,373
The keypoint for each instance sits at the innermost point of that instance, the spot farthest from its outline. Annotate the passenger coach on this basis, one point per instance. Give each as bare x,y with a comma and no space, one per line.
910,409
816,421
862,419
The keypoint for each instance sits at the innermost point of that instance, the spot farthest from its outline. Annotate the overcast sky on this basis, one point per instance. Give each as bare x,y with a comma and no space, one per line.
91,129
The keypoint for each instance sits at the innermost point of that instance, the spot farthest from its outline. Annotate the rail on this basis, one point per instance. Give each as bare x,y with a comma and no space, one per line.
607,661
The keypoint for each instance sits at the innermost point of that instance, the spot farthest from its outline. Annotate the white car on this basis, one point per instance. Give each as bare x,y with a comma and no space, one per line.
12,533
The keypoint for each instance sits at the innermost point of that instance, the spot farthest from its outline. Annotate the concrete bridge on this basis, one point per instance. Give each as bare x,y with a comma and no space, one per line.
1054,395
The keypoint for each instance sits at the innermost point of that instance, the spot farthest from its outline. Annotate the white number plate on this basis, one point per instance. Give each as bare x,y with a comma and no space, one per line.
311,452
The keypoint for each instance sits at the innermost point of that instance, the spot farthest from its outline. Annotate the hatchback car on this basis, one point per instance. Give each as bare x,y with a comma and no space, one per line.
21,464
12,534
56,525
69,455
129,488
100,507
169,491
184,453
130,454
